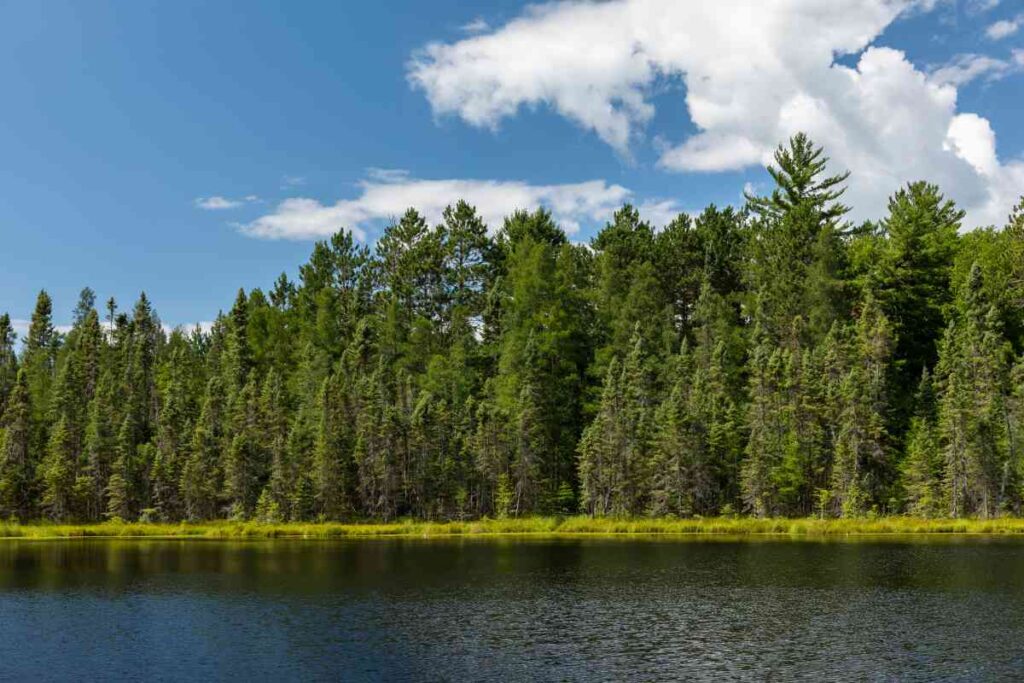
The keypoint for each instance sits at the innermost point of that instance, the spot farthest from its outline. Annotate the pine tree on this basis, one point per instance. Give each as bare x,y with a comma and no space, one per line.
797,260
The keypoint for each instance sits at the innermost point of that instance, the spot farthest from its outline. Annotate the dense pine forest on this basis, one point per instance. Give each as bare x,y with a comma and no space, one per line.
776,360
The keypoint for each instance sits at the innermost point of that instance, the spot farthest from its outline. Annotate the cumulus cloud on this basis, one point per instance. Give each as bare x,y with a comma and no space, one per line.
755,71
1003,28
388,193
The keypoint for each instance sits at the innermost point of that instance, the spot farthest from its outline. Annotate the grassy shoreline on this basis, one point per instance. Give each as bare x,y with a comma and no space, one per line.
533,526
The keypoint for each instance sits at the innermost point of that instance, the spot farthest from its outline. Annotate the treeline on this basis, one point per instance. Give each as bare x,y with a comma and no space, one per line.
773,360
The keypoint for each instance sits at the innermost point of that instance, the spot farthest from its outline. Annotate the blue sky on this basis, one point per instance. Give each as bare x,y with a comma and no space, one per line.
189,148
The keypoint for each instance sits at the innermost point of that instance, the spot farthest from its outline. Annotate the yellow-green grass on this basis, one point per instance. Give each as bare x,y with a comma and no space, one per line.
531,526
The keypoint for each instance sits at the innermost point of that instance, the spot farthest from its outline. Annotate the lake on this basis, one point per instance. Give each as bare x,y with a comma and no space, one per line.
513,609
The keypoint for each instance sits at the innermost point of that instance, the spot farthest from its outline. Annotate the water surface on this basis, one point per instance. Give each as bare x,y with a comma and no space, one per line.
512,609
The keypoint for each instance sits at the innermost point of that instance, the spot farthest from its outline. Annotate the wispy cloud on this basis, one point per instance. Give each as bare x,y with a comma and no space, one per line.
1003,28
979,6
293,181
387,194
965,68
387,175
218,203
478,25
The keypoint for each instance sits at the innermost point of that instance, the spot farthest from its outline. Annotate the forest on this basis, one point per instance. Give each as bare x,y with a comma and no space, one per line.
773,360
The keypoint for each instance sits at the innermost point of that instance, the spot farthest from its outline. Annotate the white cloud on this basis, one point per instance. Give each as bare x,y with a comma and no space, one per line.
387,195
974,141
979,6
1003,28
963,69
713,152
292,181
755,71
204,326
218,203
478,25
20,327
659,213
387,175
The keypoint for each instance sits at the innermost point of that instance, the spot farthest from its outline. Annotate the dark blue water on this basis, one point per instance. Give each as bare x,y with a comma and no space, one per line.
463,610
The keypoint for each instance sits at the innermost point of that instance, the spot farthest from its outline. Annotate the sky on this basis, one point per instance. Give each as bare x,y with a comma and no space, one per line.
188,148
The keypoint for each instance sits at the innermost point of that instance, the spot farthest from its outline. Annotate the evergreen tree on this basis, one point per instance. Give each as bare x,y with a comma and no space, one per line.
922,467
615,456
40,363
797,262
912,279
58,473
202,474
274,432
333,452
100,435
766,426
16,467
8,361
245,464
123,487
172,442
973,415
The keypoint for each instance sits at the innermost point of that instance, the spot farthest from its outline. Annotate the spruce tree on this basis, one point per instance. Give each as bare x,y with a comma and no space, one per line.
202,473
973,416
8,361
58,473
921,469
17,495
766,426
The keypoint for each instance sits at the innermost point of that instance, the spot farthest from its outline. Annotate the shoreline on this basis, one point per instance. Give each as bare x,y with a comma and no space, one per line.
552,527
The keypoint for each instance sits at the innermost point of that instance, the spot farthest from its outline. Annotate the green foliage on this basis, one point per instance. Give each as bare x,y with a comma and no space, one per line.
759,360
